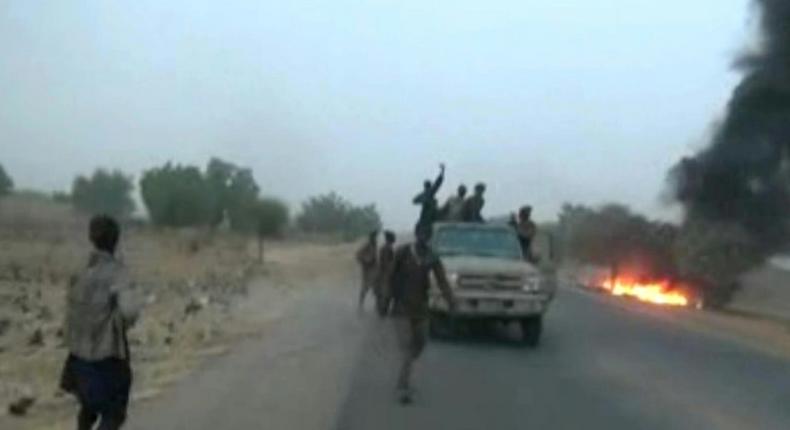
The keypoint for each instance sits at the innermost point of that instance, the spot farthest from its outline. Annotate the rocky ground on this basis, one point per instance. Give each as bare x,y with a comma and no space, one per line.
202,291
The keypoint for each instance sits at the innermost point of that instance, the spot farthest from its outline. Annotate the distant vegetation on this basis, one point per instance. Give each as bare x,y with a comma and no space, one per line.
709,256
332,214
177,196
613,236
185,196
105,192
223,195
271,216
6,183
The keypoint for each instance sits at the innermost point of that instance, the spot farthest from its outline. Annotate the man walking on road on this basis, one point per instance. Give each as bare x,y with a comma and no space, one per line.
410,282
100,308
366,257
385,266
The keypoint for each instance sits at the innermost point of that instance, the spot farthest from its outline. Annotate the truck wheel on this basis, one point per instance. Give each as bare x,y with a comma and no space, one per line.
531,329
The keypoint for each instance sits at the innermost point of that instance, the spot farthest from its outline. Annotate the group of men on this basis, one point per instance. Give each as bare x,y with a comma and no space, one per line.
458,208
400,278
101,304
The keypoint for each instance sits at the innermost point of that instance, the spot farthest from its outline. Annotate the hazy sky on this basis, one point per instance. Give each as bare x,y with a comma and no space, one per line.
547,101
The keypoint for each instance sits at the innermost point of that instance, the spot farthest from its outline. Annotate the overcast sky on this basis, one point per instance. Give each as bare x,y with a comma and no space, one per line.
547,101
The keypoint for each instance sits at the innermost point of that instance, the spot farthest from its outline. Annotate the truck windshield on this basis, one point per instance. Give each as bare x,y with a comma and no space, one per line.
478,242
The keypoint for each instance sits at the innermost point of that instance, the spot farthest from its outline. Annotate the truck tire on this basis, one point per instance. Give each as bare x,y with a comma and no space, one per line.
531,330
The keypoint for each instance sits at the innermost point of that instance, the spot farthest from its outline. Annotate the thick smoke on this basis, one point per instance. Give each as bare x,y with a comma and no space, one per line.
743,177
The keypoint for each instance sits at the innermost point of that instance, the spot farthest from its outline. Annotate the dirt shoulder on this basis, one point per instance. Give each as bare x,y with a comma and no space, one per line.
203,294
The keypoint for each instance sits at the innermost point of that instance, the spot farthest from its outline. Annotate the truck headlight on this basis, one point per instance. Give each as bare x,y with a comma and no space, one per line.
531,285
453,278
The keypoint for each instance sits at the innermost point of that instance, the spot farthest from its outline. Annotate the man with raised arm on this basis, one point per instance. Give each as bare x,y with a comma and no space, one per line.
429,212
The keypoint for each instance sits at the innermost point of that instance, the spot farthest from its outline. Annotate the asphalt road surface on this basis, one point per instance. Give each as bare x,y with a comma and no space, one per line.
600,366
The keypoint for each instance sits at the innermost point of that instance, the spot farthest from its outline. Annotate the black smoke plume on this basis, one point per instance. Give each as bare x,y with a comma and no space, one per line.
743,177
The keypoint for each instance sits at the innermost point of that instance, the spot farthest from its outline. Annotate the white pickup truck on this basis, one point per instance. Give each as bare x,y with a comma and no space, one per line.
491,278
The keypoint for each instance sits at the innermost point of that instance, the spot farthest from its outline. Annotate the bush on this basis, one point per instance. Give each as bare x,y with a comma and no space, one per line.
6,183
104,192
332,214
271,216
218,174
240,199
177,196
614,237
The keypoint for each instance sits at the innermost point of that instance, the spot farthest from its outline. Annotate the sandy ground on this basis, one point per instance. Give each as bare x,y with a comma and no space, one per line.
203,292
161,355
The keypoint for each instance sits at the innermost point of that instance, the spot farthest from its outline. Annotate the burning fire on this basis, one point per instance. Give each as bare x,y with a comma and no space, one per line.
659,292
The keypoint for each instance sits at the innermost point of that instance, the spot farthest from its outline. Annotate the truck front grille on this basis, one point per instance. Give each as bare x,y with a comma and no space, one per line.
495,282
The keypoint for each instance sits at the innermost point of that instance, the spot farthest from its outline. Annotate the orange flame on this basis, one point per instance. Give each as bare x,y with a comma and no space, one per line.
659,293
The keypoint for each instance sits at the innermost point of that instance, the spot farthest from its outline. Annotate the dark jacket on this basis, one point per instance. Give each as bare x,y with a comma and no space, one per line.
429,213
473,209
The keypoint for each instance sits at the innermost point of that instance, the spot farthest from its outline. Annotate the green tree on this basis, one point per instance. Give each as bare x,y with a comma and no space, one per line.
177,196
6,183
361,221
218,175
332,214
240,199
613,236
271,217
104,192
234,193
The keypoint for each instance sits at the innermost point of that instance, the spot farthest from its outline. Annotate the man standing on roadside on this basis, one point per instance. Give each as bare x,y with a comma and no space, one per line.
366,257
410,282
100,308
385,266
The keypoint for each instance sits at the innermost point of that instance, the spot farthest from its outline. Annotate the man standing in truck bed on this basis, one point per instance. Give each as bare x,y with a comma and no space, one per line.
410,282
473,206
429,206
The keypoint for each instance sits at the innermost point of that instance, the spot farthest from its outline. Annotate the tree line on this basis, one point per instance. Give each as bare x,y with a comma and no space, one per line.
222,194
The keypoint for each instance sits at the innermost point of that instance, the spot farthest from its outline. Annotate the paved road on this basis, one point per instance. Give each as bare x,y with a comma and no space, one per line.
600,366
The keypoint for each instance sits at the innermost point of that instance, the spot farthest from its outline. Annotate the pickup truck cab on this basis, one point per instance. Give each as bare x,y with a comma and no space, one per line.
491,278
